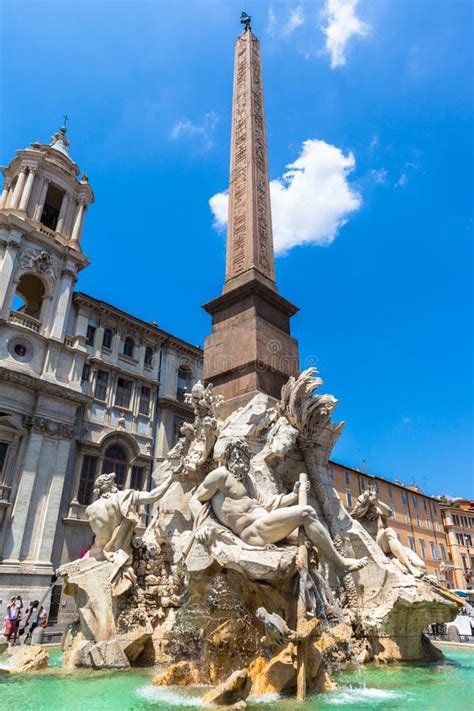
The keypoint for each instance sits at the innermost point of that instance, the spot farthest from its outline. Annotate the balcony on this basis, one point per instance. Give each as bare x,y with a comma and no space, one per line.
21,319
5,495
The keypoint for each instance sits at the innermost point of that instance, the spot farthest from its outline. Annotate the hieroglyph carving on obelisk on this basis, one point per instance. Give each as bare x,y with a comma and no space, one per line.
249,238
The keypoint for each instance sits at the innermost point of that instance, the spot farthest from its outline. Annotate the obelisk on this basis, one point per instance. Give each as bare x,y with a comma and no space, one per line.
250,349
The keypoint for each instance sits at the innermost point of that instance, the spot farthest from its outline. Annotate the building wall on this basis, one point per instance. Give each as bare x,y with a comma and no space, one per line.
459,525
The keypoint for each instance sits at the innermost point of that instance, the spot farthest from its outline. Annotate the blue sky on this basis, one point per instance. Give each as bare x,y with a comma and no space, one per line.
381,90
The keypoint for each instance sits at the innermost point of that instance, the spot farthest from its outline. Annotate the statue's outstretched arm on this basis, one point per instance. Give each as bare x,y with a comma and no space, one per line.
149,497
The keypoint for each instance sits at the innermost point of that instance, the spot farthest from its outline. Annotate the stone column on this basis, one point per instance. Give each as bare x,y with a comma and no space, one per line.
82,321
76,230
43,541
25,198
62,214
99,337
62,307
21,506
42,197
141,357
8,264
6,191
18,188
115,346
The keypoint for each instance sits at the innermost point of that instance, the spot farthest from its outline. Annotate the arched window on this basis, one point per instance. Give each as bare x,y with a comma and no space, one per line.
185,379
29,295
115,460
149,356
107,339
128,346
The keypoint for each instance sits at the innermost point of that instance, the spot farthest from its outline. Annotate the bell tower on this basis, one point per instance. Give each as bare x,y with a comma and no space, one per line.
250,349
42,210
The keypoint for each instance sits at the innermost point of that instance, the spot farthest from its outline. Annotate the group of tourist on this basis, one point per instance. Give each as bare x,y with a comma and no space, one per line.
18,621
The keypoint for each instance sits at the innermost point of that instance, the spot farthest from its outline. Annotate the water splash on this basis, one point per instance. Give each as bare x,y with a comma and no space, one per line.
355,695
180,699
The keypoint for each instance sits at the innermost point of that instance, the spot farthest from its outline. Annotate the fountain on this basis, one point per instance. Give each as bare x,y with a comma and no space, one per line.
251,576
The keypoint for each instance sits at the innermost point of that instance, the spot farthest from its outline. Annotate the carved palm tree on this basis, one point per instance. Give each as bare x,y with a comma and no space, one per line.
310,415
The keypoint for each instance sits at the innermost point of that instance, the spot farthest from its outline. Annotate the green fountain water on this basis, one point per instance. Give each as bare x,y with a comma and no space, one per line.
431,687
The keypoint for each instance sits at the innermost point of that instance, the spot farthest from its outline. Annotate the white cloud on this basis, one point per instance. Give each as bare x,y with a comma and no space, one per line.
271,22
295,20
219,204
379,175
310,202
402,181
342,24
201,132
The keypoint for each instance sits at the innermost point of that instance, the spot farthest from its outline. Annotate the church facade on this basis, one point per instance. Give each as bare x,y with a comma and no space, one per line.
84,387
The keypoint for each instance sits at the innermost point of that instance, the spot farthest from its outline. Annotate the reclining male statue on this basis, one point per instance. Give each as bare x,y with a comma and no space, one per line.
377,514
260,521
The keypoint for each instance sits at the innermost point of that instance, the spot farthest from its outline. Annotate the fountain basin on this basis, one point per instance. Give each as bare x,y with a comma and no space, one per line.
435,686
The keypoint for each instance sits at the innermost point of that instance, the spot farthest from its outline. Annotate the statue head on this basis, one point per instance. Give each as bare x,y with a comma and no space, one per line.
105,483
236,457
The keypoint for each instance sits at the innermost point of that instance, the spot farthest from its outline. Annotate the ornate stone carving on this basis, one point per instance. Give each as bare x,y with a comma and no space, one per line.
39,260
250,242
229,493
374,515
41,425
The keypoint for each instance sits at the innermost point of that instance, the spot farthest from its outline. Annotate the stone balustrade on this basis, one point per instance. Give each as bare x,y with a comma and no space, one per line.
21,319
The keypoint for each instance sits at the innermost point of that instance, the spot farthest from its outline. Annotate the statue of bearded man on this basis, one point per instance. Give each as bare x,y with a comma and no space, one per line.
229,491
113,518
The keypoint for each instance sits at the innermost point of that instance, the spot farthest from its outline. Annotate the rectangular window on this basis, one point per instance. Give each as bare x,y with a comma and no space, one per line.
52,206
390,492
415,501
86,371
418,520
428,523
460,538
407,516
102,378
349,499
144,404
422,549
456,519
424,505
3,454
437,526
137,478
434,551
346,478
90,335
405,497
464,562
411,543
443,551
468,539
464,521
123,392
86,482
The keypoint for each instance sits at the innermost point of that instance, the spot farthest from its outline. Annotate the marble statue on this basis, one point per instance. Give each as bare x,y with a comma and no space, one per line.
259,520
377,513
113,518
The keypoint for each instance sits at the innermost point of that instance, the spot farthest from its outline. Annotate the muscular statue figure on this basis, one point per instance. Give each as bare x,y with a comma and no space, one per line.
256,520
113,518
376,512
